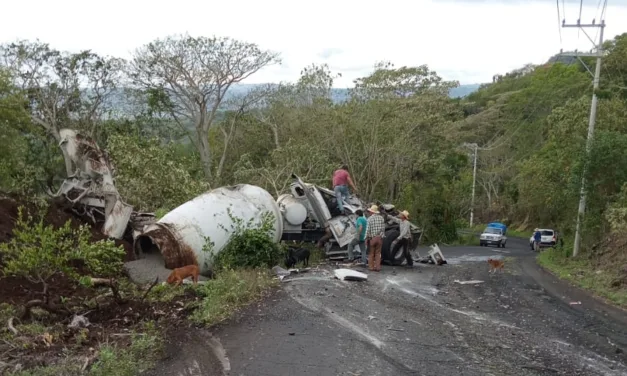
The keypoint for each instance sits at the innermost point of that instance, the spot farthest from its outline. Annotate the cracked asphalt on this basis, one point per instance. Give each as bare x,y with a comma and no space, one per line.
417,321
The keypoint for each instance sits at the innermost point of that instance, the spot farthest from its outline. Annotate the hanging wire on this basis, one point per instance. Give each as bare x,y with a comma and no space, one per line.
579,19
601,19
559,20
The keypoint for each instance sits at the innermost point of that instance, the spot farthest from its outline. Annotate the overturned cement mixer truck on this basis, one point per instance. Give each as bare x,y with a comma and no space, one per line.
308,213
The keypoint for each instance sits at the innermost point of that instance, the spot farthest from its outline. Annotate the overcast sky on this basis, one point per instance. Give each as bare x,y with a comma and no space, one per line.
465,40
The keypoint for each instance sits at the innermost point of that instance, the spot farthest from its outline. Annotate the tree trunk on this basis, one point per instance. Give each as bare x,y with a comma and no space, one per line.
275,134
205,155
227,142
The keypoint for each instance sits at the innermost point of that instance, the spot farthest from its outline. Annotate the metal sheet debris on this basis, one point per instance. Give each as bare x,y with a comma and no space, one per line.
436,256
471,282
350,275
92,184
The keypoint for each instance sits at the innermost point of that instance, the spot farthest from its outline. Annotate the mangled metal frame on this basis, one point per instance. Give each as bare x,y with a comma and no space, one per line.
92,186
341,226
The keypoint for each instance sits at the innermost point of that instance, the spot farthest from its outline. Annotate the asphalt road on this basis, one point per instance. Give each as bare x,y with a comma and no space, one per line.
416,321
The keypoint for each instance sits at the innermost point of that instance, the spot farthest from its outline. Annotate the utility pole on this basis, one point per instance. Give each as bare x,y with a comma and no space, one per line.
474,179
593,114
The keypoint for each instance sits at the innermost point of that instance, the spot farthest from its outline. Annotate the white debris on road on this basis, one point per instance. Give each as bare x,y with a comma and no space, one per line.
350,275
471,282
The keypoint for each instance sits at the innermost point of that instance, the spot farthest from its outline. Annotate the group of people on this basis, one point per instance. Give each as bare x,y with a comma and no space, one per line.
371,228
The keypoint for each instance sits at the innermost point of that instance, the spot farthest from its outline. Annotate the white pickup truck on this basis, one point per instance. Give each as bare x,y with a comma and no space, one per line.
494,234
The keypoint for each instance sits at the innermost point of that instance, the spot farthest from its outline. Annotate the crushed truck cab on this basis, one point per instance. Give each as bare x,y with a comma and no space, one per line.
311,214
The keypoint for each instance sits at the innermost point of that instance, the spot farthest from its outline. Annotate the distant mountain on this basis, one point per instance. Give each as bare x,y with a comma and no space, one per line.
121,107
463,90
341,94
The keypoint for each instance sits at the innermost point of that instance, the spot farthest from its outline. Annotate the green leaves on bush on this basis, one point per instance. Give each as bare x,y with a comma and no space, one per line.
38,251
250,245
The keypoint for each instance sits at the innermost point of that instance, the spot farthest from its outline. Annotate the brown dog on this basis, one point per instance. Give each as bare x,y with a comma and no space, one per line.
179,274
495,264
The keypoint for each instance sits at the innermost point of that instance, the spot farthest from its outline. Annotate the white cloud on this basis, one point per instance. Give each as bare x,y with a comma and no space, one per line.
464,40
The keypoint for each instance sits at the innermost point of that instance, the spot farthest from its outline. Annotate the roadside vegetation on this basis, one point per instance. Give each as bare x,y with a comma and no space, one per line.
603,269
52,276
397,129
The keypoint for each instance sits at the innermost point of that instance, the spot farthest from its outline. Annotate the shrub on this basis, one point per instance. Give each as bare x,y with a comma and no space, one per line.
38,252
250,246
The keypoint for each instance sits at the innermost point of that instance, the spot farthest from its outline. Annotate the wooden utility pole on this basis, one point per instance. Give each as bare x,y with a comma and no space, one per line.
474,179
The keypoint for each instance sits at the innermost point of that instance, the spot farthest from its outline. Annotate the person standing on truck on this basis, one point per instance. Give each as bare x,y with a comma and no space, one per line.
341,180
404,238
374,235
537,238
360,238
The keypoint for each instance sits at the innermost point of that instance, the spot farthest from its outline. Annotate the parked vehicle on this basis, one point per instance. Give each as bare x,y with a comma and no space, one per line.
549,238
494,234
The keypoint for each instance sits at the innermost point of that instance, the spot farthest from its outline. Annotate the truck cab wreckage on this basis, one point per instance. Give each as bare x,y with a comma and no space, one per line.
200,228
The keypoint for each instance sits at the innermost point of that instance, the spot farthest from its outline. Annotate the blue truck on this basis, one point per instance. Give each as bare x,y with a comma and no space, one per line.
494,234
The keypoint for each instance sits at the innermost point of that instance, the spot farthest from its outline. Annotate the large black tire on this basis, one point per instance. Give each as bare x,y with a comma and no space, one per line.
386,250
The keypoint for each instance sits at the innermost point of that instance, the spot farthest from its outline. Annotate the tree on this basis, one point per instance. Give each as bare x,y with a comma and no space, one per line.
189,77
237,108
64,90
152,174
389,82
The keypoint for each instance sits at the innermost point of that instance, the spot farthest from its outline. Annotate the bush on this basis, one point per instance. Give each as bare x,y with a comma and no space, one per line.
37,252
250,246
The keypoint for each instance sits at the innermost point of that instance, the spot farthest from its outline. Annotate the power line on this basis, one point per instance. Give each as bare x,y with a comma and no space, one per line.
559,21
579,19
580,10
602,16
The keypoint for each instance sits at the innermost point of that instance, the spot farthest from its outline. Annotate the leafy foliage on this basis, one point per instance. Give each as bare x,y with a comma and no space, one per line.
38,251
152,175
250,245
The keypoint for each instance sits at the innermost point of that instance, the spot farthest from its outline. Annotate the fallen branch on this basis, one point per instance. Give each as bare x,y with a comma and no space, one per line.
11,327
112,284
44,305
89,360
150,288
101,282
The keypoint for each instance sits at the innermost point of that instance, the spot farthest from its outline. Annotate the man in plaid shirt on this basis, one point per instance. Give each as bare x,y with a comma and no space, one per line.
374,237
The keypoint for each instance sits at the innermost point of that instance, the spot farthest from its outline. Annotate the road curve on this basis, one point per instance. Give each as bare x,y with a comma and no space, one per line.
417,321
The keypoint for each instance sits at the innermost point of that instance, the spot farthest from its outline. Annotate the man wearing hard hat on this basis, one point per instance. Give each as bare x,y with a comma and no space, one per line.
404,239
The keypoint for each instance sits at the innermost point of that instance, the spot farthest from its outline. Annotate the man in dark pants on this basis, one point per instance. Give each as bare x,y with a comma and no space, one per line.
404,238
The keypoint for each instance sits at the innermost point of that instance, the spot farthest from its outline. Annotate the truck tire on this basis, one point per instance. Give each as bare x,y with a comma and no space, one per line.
386,249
